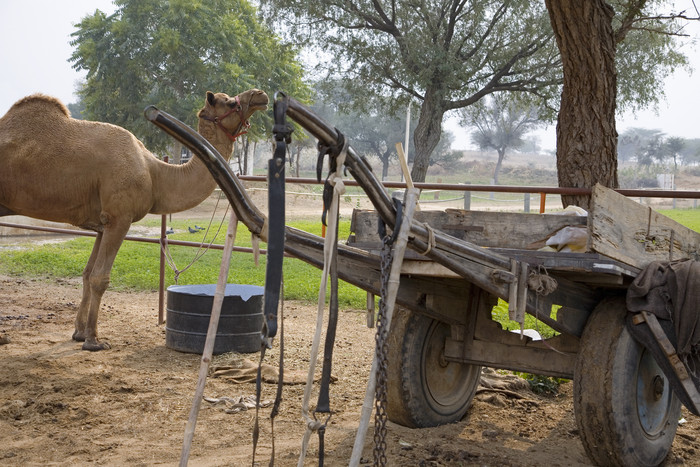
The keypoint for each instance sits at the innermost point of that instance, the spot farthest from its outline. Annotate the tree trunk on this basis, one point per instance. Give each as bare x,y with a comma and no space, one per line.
246,147
499,164
176,152
251,161
427,133
586,134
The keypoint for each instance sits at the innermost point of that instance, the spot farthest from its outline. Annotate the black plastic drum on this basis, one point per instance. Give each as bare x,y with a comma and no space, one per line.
189,312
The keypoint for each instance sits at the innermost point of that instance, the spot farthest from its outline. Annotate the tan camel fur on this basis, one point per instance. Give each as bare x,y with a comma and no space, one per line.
100,177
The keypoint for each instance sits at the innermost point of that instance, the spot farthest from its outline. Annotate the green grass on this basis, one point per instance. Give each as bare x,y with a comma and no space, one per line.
137,264
688,217
500,313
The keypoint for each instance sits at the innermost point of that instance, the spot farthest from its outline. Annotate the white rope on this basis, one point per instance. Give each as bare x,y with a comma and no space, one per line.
201,251
431,239
336,181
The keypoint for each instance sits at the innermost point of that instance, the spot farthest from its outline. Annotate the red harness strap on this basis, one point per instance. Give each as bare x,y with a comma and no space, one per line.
242,127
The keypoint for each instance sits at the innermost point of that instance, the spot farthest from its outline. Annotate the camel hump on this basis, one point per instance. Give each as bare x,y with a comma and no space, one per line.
40,100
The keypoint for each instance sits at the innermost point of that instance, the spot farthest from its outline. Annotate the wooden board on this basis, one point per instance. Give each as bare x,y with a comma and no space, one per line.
483,228
627,231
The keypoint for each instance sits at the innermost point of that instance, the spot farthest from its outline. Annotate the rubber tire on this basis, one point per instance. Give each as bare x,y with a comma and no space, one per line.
613,372
424,390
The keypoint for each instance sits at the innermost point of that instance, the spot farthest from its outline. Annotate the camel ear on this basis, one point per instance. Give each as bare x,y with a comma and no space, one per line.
210,98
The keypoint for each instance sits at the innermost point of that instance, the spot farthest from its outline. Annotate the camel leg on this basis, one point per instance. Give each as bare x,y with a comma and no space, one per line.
81,318
98,280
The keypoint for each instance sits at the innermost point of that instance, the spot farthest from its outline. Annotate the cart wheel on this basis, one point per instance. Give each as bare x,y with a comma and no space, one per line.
625,410
423,389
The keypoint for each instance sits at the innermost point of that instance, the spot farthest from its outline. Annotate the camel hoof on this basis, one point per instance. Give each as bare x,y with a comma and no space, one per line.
78,336
96,346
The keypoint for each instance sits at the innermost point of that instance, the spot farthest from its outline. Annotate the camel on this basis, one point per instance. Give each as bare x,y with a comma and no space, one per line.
100,177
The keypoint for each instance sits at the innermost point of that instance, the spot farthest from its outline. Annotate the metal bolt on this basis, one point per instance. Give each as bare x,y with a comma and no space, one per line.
658,384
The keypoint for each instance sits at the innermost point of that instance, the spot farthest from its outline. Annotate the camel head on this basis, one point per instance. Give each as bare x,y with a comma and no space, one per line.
231,114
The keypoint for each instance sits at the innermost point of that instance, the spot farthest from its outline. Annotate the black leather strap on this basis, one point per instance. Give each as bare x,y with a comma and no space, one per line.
276,219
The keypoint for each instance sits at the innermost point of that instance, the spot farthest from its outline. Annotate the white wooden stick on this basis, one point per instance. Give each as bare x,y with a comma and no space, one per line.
208,351
404,165
411,202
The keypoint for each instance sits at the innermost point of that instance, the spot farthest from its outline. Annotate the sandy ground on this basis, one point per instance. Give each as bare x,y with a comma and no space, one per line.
128,405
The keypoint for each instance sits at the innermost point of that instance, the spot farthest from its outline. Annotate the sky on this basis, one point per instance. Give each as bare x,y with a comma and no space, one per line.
35,49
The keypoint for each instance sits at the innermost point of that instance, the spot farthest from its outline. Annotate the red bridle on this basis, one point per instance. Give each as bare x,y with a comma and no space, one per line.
245,124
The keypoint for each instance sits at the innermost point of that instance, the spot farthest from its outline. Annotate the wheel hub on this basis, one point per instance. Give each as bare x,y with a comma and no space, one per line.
653,396
658,386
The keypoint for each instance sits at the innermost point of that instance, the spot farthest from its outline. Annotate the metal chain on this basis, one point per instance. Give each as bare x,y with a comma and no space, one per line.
381,338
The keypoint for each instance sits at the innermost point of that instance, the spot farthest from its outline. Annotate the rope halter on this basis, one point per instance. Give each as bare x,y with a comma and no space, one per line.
243,125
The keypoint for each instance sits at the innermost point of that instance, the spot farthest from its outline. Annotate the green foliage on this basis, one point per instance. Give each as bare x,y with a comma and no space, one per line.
373,134
455,46
648,51
542,385
445,54
499,313
137,264
450,54
169,53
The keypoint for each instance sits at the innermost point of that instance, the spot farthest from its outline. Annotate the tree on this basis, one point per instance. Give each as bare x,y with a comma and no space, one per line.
444,155
690,155
631,143
445,54
451,53
377,135
501,124
653,150
169,53
76,109
674,146
373,133
588,35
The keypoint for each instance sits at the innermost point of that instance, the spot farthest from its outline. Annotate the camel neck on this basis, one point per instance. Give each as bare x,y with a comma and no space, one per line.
181,187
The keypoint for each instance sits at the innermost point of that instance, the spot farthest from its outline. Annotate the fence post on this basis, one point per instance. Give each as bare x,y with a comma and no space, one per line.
543,201
526,208
467,198
161,280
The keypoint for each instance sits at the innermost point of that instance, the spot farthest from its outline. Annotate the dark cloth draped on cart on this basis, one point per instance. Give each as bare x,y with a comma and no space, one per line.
671,291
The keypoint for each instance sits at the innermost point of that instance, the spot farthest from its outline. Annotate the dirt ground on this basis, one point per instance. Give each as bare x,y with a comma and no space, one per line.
128,405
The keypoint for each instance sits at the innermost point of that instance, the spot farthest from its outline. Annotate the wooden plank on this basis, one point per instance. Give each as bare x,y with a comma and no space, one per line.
520,357
627,231
483,228
566,261
677,365
426,268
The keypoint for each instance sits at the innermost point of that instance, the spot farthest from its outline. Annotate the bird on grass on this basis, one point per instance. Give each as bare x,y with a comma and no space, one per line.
199,228
169,231
192,230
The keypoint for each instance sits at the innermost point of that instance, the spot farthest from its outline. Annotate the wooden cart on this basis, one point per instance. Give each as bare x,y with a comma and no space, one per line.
625,408
443,334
